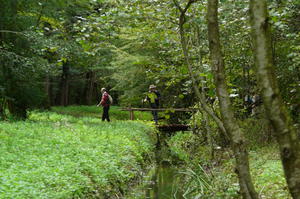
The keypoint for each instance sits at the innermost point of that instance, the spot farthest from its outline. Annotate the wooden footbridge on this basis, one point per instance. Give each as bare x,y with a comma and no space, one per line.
164,127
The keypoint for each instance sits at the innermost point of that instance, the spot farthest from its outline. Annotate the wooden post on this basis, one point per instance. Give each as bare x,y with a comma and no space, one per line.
131,113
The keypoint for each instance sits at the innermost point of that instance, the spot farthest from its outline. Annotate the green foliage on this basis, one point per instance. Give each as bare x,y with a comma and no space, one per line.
257,130
180,145
37,39
215,178
57,156
127,45
197,181
21,67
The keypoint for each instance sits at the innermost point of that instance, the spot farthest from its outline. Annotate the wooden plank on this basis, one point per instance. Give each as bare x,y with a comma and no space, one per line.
173,127
160,109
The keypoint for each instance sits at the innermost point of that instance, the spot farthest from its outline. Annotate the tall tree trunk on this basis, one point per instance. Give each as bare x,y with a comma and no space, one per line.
237,137
276,112
63,93
51,91
65,86
89,87
204,105
47,91
2,108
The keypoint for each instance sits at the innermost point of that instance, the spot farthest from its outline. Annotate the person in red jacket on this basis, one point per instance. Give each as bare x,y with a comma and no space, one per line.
105,103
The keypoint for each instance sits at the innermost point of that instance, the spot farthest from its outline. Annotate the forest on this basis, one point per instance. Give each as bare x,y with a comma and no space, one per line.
235,63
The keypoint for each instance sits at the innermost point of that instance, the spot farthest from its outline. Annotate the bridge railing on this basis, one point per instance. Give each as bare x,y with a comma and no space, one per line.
131,110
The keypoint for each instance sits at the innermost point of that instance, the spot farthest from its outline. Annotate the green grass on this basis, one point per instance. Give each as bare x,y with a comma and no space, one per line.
267,172
115,112
75,155
265,164
59,156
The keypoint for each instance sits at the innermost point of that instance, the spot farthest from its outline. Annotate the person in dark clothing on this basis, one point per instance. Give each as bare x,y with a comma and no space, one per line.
248,104
153,97
256,102
105,103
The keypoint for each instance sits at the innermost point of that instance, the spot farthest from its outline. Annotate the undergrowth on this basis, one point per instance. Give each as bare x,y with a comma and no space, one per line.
59,156
216,178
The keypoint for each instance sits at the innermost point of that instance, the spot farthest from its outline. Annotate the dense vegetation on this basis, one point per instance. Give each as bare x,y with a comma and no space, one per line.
212,55
209,178
60,156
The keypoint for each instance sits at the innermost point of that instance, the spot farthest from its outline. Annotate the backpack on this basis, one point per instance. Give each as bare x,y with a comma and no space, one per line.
110,99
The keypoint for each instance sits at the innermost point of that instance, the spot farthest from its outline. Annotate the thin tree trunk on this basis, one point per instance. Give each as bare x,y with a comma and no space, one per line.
237,137
202,100
276,112
51,92
47,91
205,115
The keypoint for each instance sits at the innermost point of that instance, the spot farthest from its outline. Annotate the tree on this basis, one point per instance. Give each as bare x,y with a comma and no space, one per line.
234,131
201,97
277,114
20,67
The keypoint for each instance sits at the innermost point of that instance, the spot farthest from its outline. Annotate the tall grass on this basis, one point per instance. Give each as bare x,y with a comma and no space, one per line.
59,156
115,112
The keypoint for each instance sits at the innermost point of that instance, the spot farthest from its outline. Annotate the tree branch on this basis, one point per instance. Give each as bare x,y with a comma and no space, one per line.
178,6
9,31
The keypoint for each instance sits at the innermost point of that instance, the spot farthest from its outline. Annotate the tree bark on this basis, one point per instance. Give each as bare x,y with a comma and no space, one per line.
276,112
236,135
